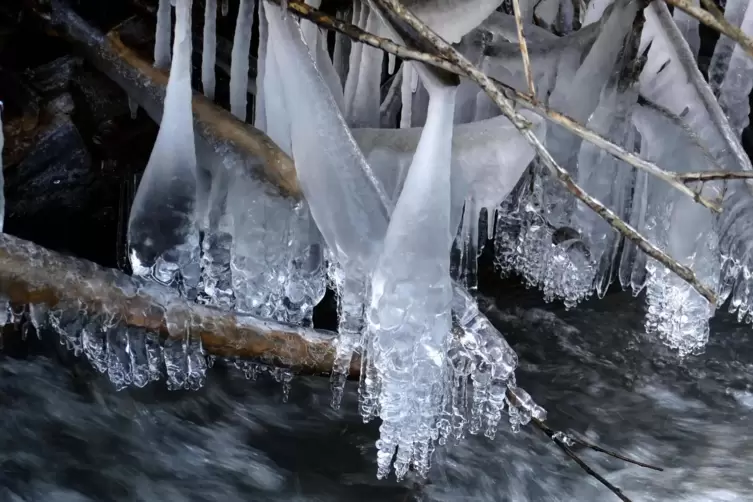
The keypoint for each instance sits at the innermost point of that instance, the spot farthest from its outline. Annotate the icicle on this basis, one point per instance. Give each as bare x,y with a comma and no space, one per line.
338,173
215,287
342,48
239,59
310,30
133,107
410,292
260,120
555,256
225,7
672,80
118,360
735,89
467,244
391,62
363,109
734,12
360,15
162,37
688,26
687,231
209,50
163,238
351,297
406,94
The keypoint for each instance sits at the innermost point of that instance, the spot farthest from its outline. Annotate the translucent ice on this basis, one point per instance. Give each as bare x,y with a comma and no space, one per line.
239,61
163,238
209,50
162,36
411,292
734,89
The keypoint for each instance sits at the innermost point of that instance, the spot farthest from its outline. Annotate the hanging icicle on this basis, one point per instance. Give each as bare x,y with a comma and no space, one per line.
239,59
163,239
209,50
162,36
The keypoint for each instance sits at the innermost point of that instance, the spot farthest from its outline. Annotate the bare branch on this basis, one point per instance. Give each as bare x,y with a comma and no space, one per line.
520,98
524,48
449,53
577,440
716,21
570,453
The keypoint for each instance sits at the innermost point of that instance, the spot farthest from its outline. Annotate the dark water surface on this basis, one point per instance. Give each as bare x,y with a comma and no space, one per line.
67,436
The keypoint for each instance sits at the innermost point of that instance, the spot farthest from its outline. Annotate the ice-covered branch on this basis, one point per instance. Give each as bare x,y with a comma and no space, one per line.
524,48
712,19
31,274
518,97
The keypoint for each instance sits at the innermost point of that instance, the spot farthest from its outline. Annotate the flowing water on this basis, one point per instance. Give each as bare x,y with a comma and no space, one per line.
66,435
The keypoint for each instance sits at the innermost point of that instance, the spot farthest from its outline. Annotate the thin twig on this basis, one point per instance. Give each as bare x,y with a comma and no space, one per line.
523,99
575,439
449,53
713,175
570,453
524,48
719,23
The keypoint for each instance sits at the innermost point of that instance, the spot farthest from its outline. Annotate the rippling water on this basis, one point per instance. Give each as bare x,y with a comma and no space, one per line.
66,435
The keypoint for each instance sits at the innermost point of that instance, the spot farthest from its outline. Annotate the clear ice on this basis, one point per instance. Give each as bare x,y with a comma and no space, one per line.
163,238
162,36
209,49
239,61
402,205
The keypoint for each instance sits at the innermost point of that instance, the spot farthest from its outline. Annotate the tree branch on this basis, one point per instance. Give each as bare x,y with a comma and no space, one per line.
31,274
524,49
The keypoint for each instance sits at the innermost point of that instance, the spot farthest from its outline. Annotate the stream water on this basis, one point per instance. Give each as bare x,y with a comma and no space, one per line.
67,436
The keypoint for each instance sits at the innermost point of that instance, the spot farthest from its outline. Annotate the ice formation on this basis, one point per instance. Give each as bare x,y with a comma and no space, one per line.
239,62
163,237
209,50
404,181
162,36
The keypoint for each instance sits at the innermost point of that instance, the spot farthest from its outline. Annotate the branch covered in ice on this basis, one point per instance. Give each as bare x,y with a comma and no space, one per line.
523,48
31,274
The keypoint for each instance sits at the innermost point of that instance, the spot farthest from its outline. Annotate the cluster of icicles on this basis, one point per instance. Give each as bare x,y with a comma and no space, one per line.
404,178
375,224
